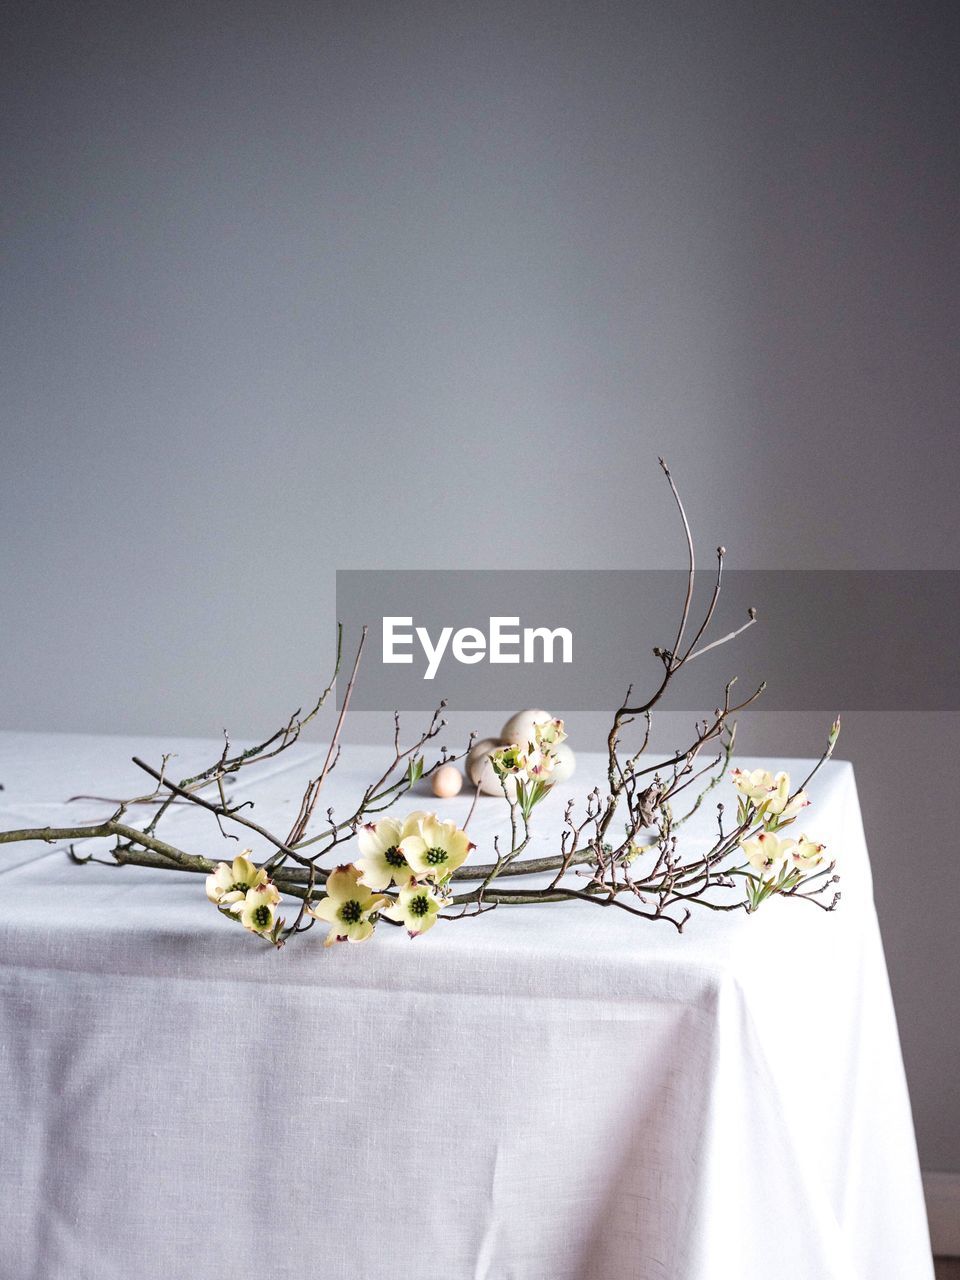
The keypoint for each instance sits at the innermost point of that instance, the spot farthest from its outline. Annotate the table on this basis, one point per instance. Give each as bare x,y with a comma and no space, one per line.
545,1092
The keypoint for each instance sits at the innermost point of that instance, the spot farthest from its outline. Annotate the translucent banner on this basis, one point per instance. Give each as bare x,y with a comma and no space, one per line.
837,640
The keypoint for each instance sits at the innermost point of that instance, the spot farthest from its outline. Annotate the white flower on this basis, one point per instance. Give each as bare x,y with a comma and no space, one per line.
767,852
806,855
527,764
348,906
436,848
755,784
790,810
539,762
417,908
229,883
508,760
770,794
549,733
256,910
779,802
383,862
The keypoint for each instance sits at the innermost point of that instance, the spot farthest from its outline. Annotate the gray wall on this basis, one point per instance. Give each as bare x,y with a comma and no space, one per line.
296,287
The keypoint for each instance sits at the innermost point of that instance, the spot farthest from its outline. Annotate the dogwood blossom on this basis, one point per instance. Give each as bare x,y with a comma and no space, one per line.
525,769
347,907
806,855
549,733
539,763
383,862
770,796
435,848
767,852
416,908
780,803
511,759
230,881
256,911
756,784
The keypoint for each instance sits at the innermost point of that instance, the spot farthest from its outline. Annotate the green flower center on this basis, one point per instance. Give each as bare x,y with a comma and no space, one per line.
394,858
238,886
436,857
420,905
261,917
351,912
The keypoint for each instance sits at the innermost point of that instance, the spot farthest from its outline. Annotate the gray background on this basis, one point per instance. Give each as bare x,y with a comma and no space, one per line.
291,288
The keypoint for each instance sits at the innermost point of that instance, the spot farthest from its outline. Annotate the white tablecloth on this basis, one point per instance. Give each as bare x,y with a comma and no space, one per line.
551,1093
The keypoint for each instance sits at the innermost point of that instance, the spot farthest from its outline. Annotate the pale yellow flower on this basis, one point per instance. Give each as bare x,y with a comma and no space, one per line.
526,764
767,852
756,784
416,908
509,760
779,802
256,911
436,848
539,763
806,855
382,862
550,733
229,883
348,906
770,795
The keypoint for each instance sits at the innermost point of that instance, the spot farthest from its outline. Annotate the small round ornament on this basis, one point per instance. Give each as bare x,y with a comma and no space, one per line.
447,782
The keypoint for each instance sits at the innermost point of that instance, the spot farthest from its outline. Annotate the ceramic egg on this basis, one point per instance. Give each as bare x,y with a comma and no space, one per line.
478,753
566,763
478,763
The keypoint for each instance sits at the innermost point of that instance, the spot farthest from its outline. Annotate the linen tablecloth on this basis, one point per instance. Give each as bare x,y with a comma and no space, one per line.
543,1093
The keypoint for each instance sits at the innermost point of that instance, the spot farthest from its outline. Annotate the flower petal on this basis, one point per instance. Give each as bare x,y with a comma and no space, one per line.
374,874
342,882
325,909
360,932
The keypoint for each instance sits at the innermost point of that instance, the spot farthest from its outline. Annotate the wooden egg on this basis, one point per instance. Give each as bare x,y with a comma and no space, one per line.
519,728
447,781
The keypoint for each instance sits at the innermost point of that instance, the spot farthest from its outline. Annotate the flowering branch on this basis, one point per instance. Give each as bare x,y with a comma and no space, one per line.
409,867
